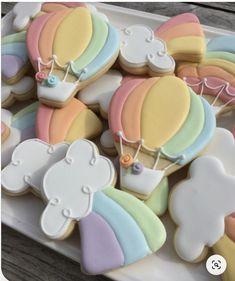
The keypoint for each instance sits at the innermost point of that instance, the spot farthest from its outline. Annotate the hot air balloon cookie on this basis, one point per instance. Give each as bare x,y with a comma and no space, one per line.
69,49
214,77
159,125
116,229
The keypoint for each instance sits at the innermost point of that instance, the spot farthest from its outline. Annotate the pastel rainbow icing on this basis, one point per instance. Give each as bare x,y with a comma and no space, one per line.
165,114
76,36
74,121
184,37
125,233
49,7
14,55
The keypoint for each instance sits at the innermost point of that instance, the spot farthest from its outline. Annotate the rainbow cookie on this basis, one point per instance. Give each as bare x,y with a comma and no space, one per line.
142,53
116,229
199,206
14,58
159,125
22,90
29,161
184,37
70,58
74,121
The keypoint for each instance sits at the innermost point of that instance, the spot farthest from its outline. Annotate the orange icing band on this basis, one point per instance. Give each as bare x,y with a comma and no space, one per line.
126,160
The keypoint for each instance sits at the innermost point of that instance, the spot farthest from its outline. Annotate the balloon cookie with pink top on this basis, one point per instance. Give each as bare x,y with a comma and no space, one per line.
159,125
214,77
116,229
67,59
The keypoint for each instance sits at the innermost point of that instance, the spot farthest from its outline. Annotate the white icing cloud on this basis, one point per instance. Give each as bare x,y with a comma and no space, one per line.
199,205
24,86
222,146
140,48
101,91
23,12
30,160
69,186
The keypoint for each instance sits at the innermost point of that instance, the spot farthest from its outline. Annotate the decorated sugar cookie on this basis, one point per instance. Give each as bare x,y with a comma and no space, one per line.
214,76
107,143
22,90
29,161
74,121
116,229
14,58
184,37
70,58
159,125
141,52
19,127
199,206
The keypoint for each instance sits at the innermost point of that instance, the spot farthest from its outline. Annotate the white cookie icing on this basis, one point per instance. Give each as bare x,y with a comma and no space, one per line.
106,139
69,186
23,12
143,183
140,48
22,87
101,91
199,205
30,160
222,146
12,141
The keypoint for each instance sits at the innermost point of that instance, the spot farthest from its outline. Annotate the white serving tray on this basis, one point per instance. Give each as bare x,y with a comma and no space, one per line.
23,213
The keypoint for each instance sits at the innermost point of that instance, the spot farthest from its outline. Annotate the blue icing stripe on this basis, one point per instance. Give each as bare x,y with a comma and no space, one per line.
17,49
205,136
104,57
24,122
222,43
127,231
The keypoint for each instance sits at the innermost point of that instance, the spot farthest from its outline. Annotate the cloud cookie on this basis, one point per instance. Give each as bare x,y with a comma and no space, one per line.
142,53
29,161
199,206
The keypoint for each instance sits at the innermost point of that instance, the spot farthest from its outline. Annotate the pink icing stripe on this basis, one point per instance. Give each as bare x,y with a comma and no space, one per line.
33,35
213,82
183,18
117,103
43,119
3,127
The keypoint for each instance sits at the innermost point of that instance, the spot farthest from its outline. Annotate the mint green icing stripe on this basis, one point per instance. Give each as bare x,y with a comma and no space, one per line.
99,36
190,129
16,37
27,110
221,55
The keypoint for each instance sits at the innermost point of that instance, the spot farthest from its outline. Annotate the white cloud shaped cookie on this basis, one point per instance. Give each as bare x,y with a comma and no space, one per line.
69,186
222,146
199,205
30,160
23,12
101,91
140,48
15,91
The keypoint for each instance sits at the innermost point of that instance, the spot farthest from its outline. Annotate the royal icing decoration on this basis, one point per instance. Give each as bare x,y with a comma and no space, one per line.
17,91
82,172
101,91
222,146
29,162
74,121
184,37
67,60
199,206
139,48
222,44
140,117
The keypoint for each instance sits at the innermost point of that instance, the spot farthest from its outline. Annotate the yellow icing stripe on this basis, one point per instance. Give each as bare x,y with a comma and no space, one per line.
73,35
189,44
164,110
226,65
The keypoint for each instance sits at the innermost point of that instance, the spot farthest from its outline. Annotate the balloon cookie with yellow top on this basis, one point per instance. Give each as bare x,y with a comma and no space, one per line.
159,125
214,77
67,59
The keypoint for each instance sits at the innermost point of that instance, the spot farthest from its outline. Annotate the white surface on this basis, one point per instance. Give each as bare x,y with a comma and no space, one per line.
23,213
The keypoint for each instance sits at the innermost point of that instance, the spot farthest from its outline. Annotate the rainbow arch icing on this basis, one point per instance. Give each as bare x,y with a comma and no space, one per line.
129,231
53,34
